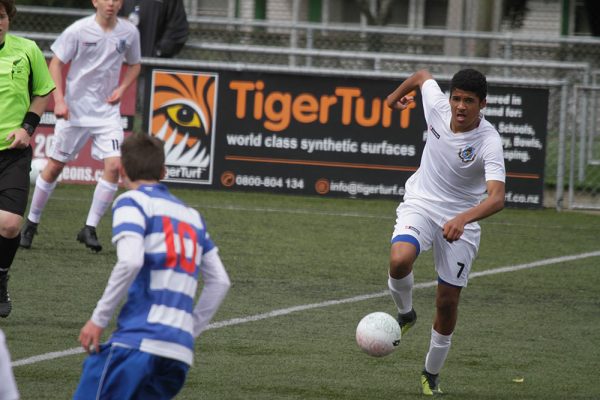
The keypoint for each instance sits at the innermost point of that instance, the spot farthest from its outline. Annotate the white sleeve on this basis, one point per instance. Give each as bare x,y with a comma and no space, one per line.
216,286
493,159
433,99
65,46
134,54
130,254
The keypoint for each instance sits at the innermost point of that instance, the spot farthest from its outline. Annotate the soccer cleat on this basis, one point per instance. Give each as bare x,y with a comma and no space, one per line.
27,233
406,321
5,303
430,384
87,235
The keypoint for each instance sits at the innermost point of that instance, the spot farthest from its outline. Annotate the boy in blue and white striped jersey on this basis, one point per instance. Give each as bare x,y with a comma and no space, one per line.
162,247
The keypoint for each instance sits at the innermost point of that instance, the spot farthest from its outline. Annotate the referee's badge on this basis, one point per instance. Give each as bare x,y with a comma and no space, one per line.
467,154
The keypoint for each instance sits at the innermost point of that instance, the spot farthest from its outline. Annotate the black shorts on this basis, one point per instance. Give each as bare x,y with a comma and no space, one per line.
15,165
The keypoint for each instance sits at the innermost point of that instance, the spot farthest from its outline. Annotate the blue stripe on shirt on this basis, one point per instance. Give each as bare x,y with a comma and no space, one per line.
169,298
127,227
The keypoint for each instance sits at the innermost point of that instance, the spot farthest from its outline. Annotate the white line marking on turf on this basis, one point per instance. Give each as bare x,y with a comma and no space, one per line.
48,356
290,310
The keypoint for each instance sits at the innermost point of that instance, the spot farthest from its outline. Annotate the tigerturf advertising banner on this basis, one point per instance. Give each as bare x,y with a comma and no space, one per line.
321,135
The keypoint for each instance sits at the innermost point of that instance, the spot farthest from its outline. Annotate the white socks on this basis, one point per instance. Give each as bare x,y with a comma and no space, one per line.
42,192
401,291
103,197
439,346
438,351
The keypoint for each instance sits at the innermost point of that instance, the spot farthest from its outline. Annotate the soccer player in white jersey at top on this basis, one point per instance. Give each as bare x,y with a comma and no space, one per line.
96,48
162,248
461,161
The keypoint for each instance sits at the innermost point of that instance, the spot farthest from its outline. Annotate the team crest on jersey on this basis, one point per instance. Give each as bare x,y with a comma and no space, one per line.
121,46
183,116
18,67
467,154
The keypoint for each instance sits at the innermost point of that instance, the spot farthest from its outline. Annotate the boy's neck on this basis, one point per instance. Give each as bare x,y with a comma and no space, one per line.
106,23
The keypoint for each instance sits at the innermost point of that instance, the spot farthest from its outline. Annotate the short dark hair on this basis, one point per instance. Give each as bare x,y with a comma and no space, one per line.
143,157
9,7
470,80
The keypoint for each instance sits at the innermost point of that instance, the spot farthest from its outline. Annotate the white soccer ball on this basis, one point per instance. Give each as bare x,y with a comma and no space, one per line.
37,165
378,334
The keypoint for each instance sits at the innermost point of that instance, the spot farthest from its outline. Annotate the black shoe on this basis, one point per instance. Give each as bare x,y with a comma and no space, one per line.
5,303
87,236
406,321
27,233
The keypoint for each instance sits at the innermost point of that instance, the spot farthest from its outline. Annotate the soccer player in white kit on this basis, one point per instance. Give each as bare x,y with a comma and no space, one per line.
96,48
462,160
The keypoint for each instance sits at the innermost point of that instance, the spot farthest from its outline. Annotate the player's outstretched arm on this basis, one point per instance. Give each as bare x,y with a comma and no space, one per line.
216,286
130,253
399,98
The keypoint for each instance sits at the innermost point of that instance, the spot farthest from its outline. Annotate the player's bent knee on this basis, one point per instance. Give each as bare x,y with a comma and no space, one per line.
52,170
400,266
11,227
111,169
402,258
112,163
400,261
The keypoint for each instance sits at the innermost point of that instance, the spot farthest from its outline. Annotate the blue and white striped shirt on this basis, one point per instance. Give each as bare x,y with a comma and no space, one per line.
157,317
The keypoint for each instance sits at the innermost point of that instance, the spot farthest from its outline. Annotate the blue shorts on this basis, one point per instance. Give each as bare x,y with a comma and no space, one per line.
119,372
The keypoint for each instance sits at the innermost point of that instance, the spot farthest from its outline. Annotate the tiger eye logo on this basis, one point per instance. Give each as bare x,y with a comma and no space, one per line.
183,115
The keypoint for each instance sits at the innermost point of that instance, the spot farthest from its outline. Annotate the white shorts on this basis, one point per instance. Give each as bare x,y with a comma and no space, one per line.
69,140
452,260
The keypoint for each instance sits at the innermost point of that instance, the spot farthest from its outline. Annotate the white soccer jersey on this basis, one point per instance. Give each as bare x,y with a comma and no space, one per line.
454,166
96,58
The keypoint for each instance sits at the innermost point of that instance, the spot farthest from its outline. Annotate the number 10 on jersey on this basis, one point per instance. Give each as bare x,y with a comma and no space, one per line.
174,257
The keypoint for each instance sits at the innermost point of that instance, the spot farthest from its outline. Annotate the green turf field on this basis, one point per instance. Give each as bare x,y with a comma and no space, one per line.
540,324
